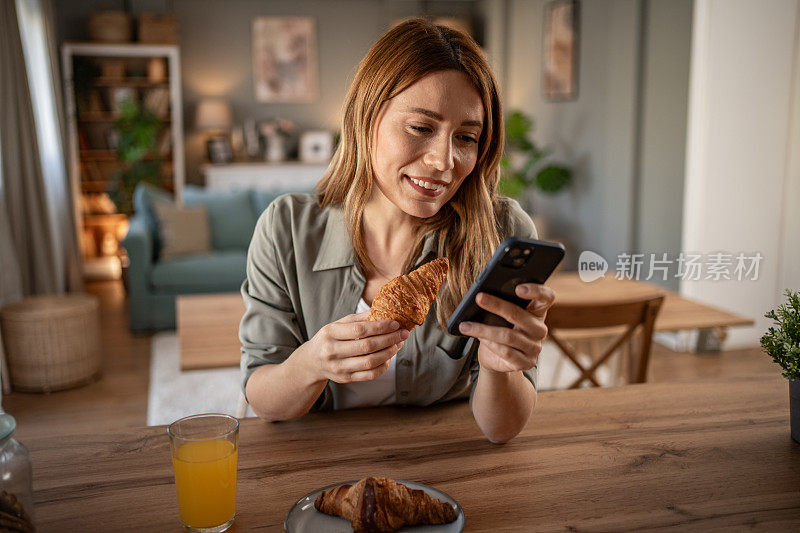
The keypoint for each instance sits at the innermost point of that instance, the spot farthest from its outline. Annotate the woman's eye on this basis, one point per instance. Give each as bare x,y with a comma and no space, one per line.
421,129
468,138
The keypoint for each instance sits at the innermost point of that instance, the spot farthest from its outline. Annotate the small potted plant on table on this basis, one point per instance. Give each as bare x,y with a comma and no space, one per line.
782,343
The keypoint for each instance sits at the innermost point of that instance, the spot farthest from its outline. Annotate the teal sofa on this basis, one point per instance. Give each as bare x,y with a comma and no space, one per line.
153,284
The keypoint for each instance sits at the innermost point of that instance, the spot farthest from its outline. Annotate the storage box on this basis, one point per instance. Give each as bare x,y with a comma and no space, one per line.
158,29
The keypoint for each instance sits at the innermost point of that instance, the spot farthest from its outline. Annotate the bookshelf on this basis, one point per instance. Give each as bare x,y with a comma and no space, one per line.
98,79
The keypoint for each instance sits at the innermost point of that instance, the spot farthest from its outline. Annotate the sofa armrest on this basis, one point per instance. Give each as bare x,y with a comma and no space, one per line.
138,243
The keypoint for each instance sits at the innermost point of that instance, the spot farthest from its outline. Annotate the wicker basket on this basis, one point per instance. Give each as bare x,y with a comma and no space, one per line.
158,29
110,27
52,342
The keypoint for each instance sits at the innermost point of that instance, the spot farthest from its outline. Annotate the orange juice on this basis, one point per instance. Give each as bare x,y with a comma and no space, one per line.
205,479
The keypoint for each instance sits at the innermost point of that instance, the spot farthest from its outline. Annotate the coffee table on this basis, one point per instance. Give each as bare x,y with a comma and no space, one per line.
208,330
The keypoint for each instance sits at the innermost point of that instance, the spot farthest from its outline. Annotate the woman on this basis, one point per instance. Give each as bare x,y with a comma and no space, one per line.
414,178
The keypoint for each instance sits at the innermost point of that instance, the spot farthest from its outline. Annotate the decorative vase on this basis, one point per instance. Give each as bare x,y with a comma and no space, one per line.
276,148
794,408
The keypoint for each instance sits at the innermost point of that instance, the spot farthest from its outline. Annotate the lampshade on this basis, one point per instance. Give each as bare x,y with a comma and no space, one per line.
214,114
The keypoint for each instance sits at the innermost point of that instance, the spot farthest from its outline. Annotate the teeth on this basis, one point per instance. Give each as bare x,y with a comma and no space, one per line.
425,184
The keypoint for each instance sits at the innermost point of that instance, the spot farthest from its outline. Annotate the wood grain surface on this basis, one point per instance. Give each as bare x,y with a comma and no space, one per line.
677,313
208,330
674,457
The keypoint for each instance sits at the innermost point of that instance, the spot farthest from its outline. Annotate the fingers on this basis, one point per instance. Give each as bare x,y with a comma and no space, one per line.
370,344
367,367
360,328
510,337
510,359
532,325
542,297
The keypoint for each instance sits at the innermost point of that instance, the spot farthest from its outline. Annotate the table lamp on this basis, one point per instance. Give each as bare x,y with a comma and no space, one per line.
214,117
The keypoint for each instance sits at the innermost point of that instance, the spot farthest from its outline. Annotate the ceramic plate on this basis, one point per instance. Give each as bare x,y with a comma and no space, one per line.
304,518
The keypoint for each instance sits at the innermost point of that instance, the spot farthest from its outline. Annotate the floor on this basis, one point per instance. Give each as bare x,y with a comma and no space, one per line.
119,399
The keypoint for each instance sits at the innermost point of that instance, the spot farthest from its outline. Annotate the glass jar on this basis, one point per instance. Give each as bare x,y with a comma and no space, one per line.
16,478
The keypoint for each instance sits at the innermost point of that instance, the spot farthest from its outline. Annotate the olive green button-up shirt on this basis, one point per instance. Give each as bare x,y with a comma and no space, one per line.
302,274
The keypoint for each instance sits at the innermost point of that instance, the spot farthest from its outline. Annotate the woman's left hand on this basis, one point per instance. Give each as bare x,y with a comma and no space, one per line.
511,349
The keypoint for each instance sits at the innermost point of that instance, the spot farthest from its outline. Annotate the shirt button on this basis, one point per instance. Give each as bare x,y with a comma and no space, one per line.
405,362
403,393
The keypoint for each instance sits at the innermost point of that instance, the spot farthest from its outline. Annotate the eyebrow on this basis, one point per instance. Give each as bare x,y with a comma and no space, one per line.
437,116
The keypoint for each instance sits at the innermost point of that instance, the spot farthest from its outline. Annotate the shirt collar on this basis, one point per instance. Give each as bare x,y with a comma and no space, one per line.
336,250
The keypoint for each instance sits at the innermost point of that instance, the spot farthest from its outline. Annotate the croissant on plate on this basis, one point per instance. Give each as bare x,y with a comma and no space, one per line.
382,505
408,298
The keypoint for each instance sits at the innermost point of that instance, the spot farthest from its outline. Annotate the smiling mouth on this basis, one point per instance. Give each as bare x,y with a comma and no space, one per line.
425,184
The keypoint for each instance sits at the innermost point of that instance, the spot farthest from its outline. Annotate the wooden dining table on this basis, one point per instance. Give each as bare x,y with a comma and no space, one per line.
711,455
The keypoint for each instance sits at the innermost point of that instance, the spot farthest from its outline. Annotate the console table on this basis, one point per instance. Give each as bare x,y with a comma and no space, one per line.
285,176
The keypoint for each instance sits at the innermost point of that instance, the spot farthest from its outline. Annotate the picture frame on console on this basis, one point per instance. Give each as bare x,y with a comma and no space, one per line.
220,151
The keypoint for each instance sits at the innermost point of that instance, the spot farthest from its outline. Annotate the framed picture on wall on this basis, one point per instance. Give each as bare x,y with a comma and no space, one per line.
285,59
560,50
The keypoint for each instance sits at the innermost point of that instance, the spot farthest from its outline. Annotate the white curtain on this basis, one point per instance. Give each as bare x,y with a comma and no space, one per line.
38,241
35,199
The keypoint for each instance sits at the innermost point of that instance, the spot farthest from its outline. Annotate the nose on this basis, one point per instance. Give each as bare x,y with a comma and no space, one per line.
440,154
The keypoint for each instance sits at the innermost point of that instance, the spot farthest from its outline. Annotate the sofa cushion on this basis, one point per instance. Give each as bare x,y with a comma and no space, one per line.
262,199
184,230
230,215
216,272
144,196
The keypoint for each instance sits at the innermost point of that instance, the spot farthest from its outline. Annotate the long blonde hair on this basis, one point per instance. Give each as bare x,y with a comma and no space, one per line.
468,226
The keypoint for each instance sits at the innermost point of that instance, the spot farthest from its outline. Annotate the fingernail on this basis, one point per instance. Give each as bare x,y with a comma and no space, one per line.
405,334
395,324
523,290
465,327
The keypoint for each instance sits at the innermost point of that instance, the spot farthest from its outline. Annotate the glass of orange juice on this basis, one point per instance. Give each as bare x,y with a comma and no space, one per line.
205,449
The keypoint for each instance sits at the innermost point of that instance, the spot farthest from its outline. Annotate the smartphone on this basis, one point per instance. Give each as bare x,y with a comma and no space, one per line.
516,261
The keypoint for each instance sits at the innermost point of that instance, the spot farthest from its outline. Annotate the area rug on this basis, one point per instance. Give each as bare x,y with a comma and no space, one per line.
174,393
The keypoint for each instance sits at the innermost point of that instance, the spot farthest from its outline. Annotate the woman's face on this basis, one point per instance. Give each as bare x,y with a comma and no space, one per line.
426,142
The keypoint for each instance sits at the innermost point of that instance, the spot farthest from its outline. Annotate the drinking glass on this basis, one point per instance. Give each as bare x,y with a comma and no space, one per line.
205,450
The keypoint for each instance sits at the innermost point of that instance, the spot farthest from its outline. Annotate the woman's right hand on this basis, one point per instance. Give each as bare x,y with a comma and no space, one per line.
354,348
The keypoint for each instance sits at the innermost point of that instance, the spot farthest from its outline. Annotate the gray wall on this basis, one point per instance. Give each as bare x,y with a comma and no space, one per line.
613,135
659,211
624,136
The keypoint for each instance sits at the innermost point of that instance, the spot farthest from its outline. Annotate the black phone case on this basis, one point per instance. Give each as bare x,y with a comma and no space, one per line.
500,280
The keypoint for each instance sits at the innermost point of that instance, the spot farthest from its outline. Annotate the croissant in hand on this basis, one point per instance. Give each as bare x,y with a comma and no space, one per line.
382,505
407,298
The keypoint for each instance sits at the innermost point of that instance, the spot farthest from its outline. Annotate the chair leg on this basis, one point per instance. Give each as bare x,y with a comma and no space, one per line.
241,407
620,366
557,371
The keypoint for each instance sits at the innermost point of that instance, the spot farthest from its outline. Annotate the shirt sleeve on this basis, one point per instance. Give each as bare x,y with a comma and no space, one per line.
269,331
517,223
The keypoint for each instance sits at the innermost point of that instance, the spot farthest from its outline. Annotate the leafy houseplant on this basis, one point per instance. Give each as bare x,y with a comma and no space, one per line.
782,343
137,128
522,164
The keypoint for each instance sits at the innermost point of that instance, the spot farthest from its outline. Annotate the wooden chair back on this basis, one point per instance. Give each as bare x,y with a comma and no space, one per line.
632,314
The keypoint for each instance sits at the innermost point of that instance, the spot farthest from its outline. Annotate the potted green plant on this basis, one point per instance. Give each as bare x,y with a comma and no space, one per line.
137,131
782,343
523,163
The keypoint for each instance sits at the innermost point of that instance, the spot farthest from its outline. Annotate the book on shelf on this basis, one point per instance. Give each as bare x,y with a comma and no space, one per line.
164,144
157,101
